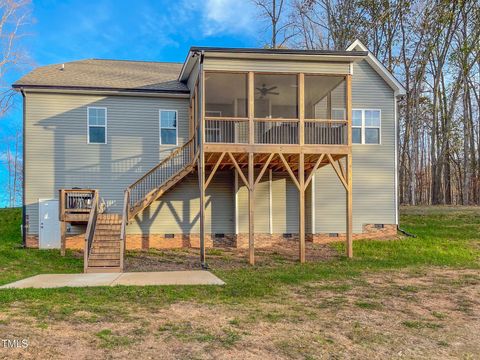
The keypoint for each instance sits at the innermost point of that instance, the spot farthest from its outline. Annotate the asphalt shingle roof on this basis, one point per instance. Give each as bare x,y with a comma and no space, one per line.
107,74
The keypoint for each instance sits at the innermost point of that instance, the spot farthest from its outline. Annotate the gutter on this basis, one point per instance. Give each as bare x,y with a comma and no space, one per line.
103,90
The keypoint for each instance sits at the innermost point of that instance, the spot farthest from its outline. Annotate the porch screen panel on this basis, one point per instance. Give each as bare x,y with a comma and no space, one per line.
325,97
225,101
226,95
325,110
276,96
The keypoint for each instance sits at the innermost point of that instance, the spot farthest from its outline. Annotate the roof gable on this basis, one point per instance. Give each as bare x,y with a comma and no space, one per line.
398,88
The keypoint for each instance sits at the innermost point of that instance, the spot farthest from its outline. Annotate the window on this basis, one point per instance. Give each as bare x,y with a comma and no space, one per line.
97,125
168,127
366,126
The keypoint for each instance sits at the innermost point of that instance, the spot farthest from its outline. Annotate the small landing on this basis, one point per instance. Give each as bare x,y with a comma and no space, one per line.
196,277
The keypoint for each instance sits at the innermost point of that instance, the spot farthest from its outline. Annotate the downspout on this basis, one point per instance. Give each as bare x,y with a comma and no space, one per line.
397,203
202,159
24,211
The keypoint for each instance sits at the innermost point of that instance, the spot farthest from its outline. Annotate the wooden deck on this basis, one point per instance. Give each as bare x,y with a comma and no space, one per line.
298,147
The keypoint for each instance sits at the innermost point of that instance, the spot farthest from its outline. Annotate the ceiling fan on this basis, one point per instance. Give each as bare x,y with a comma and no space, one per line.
264,91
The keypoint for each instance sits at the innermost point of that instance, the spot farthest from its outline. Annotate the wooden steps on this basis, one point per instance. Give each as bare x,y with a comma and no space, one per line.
106,232
105,252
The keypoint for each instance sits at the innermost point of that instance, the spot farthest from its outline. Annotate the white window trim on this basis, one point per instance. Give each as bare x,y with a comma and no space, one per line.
363,127
167,128
105,126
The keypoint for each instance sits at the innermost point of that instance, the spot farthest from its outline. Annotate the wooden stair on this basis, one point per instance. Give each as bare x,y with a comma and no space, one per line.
106,252
158,192
106,234
161,178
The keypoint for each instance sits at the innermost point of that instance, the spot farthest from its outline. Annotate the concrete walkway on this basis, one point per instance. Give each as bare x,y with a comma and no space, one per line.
198,277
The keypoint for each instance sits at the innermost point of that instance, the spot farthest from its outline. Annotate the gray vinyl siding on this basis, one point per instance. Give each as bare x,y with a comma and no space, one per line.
284,204
177,211
373,165
308,209
58,156
261,209
192,79
312,67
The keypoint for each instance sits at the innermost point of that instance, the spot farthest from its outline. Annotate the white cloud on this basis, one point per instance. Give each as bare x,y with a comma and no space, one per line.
228,16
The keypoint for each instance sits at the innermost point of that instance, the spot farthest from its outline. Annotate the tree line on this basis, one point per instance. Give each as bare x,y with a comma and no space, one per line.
433,48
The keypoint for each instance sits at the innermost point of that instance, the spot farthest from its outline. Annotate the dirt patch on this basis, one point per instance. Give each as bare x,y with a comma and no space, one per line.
224,258
430,314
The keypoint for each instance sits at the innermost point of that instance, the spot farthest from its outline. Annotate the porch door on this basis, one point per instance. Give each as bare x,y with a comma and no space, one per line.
49,224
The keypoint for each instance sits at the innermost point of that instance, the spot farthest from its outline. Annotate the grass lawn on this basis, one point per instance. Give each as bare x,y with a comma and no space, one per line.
411,297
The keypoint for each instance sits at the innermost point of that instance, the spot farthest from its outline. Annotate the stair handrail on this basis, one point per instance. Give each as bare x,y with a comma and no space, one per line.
169,157
123,230
191,158
90,232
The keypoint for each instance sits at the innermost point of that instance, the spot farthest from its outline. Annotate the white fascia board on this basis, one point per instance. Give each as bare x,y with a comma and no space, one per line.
379,68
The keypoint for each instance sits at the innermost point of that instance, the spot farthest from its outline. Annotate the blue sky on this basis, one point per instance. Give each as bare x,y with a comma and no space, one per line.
158,30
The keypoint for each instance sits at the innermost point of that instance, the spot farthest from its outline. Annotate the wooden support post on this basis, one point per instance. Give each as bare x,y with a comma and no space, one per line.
349,242
251,104
301,189
61,213
251,206
301,107
348,170
63,234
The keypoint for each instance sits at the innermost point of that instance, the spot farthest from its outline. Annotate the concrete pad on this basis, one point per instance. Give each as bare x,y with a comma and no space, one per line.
47,281
61,280
198,277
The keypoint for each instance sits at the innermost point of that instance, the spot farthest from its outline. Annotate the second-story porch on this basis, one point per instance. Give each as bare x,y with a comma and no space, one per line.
290,121
259,112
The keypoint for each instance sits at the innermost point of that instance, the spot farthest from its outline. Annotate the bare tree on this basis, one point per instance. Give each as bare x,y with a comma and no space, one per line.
433,47
277,15
14,15
12,159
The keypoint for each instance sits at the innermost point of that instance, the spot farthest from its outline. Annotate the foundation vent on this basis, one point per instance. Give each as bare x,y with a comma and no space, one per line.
169,236
287,236
219,235
379,226
333,235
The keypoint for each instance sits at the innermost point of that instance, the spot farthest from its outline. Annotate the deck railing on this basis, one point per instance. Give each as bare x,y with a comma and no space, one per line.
75,201
276,131
326,132
90,232
161,173
123,229
226,130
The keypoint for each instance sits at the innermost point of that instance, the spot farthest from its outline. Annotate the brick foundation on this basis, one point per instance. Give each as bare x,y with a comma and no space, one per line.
32,241
159,241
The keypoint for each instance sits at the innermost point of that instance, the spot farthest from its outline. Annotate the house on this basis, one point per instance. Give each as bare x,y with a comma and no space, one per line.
234,147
